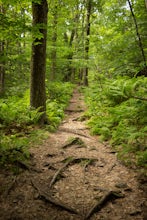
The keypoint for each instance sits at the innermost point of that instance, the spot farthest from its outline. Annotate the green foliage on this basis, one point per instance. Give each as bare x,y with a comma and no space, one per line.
59,91
114,42
13,149
117,112
58,95
18,123
142,158
14,146
15,110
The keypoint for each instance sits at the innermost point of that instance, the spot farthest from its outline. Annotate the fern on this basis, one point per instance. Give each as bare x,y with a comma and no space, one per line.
117,115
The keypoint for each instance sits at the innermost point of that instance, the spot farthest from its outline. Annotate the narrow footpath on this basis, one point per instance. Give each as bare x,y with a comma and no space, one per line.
72,176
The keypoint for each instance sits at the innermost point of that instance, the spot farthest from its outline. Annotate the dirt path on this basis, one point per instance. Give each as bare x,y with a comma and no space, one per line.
73,177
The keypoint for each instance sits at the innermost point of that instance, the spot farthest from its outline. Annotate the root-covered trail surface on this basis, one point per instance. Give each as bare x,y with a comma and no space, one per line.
72,176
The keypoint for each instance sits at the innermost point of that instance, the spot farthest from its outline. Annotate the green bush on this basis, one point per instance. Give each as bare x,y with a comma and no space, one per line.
117,112
58,95
18,122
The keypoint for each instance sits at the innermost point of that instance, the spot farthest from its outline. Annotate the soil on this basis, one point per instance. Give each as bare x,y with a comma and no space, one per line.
73,176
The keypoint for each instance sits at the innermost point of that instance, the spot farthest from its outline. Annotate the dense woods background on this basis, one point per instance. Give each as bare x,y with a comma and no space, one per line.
47,47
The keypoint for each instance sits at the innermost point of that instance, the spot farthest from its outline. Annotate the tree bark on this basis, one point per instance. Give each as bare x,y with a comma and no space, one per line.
70,70
38,61
146,3
2,64
89,7
54,42
2,68
138,34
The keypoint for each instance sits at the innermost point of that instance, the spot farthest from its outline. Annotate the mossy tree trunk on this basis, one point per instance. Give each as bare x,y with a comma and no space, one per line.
38,61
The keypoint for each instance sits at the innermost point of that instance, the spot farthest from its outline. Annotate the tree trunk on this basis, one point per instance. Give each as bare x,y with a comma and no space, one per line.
146,3
68,76
2,64
38,61
2,68
89,7
138,34
54,42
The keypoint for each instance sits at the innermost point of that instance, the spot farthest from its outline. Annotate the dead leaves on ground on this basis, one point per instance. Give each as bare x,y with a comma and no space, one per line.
59,173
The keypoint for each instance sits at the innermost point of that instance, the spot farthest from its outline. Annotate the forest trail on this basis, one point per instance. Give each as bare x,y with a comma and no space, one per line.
72,176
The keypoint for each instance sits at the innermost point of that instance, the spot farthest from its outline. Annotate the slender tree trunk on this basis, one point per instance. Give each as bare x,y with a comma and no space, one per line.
137,33
2,68
89,7
146,3
38,61
2,64
82,42
70,70
54,42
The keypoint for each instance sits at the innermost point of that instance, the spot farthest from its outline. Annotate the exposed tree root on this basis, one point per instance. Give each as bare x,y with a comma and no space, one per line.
73,141
99,204
55,177
74,110
48,198
89,162
71,160
73,132
80,118
83,160
11,186
25,166
111,168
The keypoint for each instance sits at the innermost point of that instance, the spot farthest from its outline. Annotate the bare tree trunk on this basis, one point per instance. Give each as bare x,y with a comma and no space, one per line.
146,3
2,64
82,41
137,33
70,70
2,68
38,61
54,42
89,7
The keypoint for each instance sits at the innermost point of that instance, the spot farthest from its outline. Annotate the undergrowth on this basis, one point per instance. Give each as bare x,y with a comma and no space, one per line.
18,123
117,111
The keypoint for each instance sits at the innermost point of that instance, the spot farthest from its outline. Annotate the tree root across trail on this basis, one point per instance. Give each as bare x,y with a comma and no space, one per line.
72,176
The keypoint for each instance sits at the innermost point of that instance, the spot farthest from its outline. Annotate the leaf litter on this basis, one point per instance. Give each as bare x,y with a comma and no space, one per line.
79,178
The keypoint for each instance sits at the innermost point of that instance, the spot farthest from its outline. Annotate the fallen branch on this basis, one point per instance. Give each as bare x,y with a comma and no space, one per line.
99,204
48,198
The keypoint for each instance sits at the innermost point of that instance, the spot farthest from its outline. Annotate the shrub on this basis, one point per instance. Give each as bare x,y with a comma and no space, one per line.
117,111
